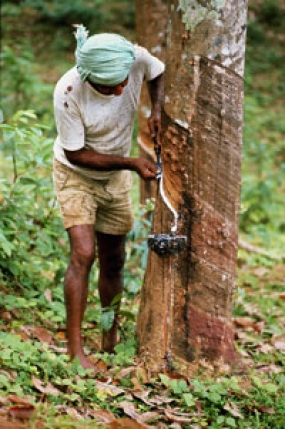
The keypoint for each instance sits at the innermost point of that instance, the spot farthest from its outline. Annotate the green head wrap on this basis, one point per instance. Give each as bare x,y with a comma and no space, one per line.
104,59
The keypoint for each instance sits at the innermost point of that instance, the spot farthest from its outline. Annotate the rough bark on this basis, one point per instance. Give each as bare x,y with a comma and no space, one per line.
151,18
186,301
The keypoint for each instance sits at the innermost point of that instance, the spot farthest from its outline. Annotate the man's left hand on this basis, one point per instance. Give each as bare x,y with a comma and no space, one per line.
154,124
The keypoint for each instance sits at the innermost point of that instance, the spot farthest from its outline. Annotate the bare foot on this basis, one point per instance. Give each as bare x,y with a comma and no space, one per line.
110,339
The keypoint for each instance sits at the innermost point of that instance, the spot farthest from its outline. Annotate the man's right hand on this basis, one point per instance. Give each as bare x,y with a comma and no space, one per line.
146,169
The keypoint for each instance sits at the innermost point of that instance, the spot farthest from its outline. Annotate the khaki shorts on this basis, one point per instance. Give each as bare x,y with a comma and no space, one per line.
105,204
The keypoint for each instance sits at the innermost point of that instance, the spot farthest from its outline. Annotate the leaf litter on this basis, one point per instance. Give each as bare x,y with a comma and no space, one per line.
128,395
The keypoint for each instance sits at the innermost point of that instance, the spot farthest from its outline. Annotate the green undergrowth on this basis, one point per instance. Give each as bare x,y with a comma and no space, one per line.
263,151
35,367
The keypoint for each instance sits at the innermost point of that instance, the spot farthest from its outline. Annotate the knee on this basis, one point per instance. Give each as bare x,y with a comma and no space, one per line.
83,257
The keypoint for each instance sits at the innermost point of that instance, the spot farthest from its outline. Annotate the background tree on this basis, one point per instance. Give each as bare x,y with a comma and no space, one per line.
186,301
151,18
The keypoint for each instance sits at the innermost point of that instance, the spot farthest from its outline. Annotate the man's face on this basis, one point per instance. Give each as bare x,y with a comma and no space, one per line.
111,90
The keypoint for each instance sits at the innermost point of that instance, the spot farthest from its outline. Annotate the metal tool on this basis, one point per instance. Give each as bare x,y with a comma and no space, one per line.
165,244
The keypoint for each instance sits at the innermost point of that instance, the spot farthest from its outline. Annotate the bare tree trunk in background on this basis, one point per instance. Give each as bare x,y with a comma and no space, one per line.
151,18
186,301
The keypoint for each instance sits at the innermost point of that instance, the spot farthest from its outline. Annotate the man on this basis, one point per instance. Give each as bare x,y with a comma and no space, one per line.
95,105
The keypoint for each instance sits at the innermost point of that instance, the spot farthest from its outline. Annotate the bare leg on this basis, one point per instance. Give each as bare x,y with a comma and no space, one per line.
111,252
82,243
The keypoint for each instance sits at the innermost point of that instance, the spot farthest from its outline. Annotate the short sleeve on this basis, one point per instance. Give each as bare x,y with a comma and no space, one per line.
153,67
70,127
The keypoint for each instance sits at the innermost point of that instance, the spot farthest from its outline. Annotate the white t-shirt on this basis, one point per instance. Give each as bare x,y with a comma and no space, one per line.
88,119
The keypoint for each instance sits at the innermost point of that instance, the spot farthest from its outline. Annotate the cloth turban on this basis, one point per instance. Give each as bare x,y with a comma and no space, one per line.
104,58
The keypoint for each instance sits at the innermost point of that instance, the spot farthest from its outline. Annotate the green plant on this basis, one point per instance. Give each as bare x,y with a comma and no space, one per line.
137,249
21,87
271,13
124,354
63,12
29,224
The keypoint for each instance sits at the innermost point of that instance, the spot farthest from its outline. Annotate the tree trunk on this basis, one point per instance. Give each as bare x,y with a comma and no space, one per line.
186,301
151,18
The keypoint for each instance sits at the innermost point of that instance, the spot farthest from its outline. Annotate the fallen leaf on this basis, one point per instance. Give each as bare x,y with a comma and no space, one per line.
18,400
39,333
269,369
266,348
60,336
279,345
48,295
143,396
129,410
176,426
49,389
175,376
149,416
127,424
178,418
259,327
136,383
102,416
6,315
9,374
3,400
245,322
142,375
233,409
125,372
105,389
14,424
101,366
21,412
47,274
161,425
72,412
266,410
243,353
160,400
61,350
260,271
24,336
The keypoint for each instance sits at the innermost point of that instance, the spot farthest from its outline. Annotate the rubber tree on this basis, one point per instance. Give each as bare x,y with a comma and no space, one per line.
187,299
151,19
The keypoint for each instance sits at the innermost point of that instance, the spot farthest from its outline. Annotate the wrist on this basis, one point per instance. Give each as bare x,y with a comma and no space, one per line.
131,164
156,107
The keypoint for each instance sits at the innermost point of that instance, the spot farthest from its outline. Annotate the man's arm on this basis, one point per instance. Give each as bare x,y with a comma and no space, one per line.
93,160
155,89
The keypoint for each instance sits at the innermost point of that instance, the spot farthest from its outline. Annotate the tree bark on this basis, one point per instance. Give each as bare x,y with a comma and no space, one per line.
151,18
186,300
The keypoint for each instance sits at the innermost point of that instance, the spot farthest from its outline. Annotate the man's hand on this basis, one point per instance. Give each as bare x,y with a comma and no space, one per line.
146,169
154,123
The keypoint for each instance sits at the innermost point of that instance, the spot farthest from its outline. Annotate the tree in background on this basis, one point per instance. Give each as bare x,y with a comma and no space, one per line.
186,301
151,18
